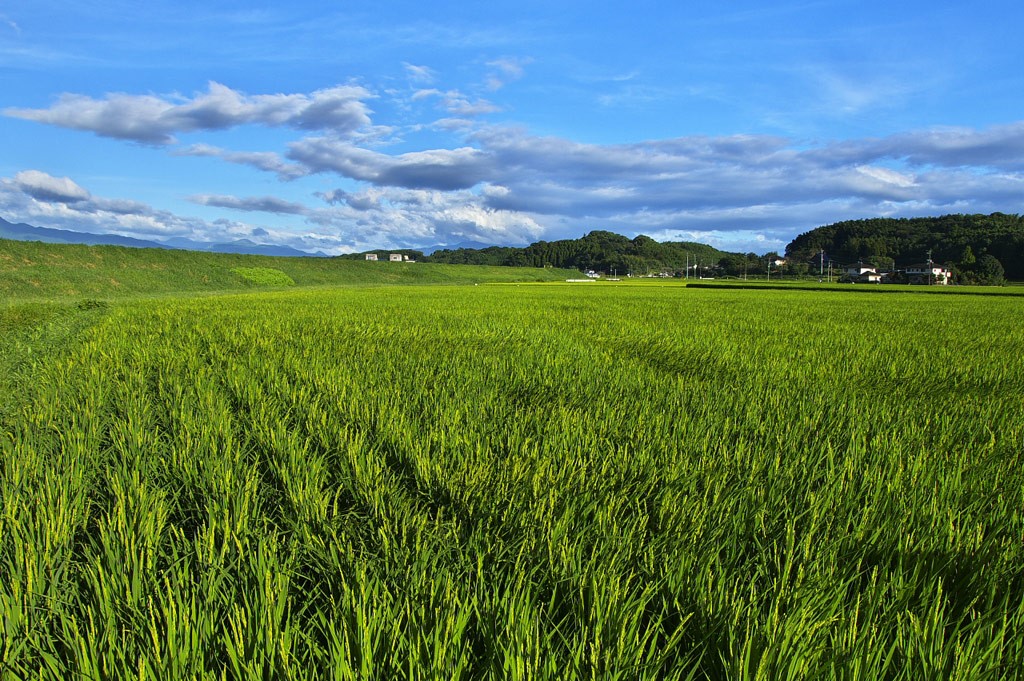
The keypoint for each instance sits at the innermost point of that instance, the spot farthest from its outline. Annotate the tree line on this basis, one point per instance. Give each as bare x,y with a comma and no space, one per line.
599,250
977,249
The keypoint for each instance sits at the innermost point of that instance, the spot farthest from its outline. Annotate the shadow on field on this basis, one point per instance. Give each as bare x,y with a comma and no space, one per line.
915,578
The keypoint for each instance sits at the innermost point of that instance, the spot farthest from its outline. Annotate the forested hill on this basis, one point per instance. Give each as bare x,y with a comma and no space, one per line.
976,246
598,250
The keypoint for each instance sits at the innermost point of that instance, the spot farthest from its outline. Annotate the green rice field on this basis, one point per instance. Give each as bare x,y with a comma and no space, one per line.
524,482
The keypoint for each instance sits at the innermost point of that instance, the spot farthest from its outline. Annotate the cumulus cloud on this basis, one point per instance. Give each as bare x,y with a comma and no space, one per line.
116,206
453,124
663,179
361,202
457,103
47,188
62,195
43,200
21,196
997,147
149,119
463,106
501,184
374,217
392,216
263,204
729,183
426,93
742,240
445,169
261,160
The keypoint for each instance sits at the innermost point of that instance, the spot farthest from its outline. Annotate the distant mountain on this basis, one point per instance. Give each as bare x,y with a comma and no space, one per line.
244,246
23,232
253,248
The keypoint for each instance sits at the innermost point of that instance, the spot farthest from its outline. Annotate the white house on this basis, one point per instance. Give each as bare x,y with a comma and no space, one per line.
371,256
395,257
859,269
863,274
929,273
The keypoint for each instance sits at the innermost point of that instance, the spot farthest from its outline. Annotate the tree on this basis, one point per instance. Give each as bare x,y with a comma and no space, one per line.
798,268
882,262
733,263
967,259
988,271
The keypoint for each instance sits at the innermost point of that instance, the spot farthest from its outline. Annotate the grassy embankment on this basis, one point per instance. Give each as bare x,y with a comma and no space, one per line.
52,271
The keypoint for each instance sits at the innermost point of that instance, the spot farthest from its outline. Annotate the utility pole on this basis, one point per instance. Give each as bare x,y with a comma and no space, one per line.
821,265
769,263
929,267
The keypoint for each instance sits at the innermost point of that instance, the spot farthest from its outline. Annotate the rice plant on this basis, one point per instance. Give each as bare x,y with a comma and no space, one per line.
521,482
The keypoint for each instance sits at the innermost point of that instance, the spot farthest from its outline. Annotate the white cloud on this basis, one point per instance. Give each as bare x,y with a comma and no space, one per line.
426,94
559,177
105,216
504,71
263,204
632,95
1000,146
457,103
842,93
44,187
46,201
742,240
419,74
446,169
391,216
463,106
372,218
501,184
149,119
453,124
261,160
730,183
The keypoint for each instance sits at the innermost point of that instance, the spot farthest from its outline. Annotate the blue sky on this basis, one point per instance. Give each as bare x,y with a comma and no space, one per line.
340,127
